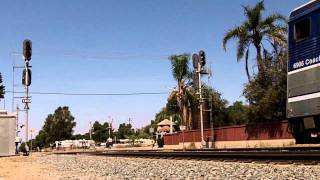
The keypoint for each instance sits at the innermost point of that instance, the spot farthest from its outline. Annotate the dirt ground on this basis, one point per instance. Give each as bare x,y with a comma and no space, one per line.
23,167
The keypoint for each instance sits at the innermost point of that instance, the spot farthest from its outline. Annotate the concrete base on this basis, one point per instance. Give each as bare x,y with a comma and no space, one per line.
236,144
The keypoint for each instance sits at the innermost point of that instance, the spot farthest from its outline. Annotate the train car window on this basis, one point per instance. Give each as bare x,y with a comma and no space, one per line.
302,29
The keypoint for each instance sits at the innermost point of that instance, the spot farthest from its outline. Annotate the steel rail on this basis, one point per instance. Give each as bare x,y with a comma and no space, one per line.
225,155
310,156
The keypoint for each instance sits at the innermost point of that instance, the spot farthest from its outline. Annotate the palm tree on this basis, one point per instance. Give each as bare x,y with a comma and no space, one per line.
181,72
256,30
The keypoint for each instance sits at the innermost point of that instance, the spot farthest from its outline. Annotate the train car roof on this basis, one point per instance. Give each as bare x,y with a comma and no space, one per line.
304,9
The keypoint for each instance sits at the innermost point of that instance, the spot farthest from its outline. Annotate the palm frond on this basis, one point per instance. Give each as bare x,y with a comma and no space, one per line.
254,14
179,66
273,18
231,34
243,45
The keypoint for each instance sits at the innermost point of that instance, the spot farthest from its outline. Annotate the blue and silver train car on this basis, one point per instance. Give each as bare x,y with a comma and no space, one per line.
303,88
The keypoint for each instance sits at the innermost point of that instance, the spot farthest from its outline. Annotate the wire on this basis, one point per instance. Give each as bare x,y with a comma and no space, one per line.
92,94
110,56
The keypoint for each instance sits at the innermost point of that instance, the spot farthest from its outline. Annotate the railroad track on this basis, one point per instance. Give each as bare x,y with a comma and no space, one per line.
287,157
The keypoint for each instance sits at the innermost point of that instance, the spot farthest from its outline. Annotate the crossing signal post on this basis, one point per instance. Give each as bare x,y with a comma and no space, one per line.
199,60
26,81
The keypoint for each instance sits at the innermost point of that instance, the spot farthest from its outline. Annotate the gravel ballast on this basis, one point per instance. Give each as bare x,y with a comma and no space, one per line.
101,167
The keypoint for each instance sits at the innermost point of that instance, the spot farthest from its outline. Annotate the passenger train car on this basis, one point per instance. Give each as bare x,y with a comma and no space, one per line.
303,88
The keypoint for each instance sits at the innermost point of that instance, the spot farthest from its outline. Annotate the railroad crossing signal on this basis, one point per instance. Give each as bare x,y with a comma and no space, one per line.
195,60
202,57
26,77
27,49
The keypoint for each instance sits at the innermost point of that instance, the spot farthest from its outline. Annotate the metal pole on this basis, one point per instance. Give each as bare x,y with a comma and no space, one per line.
13,64
26,106
183,140
17,121
31,141
27,118
90,131
211,119
130,121
171,128
200,101
109,117
109,130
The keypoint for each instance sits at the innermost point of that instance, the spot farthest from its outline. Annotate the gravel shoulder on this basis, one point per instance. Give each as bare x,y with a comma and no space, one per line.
22,167
51,166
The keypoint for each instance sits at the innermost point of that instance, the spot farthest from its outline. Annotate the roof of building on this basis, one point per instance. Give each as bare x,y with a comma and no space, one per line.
166,122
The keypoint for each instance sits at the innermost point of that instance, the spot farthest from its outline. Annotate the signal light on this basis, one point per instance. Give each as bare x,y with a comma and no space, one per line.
202,57
195,60
26,77
27,49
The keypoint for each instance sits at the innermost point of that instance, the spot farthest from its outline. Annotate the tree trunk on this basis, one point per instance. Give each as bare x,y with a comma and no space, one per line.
184,115
259,59
247,70
181,103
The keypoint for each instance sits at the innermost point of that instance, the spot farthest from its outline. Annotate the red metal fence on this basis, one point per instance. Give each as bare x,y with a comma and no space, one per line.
260,131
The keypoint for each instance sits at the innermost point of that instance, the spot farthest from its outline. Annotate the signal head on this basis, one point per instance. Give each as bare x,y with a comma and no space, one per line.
27,49
202,57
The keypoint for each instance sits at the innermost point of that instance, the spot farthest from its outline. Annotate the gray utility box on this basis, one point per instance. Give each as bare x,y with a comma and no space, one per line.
7,133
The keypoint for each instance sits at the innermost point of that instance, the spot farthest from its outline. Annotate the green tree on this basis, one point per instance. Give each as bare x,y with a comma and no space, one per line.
100,132
238,113
124,131
218,105
2,88
212,98
40,140
57,127
80,136
256,30
267,95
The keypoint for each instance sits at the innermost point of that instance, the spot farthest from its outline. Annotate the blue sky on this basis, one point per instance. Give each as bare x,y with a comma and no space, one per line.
119,46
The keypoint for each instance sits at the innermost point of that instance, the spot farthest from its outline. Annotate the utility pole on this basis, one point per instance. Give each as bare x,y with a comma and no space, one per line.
130,121
26,81
27,112
200,102
13,85
211,120
109,140
110,127
17,121
90,131
13,77
31,133
198,62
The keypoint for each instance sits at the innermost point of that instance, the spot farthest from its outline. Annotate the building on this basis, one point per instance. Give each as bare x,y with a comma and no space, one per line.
7,133
165,125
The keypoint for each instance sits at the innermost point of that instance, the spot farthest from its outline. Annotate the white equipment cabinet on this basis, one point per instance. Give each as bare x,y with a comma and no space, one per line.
7,133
